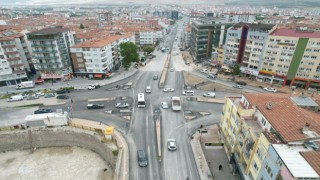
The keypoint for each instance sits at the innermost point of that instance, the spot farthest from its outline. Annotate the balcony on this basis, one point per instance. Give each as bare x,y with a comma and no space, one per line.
245,113
8,46
43,45
13,58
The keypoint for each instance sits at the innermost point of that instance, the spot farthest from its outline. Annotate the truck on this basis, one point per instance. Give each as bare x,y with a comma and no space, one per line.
25,84
15,98
176,103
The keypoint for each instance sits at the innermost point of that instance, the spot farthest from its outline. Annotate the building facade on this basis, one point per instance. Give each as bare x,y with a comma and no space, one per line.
207,34
245,44
104,19
98,57
240,17
15,56
292,57
50,48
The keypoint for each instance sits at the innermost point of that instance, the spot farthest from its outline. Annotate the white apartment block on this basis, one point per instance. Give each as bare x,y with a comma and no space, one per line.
98,56
238,17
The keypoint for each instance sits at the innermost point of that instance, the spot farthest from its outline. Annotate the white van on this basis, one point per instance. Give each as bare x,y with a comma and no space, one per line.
148,89
15,98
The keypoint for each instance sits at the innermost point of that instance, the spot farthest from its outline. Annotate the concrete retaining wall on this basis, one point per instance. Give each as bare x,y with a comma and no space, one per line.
55,138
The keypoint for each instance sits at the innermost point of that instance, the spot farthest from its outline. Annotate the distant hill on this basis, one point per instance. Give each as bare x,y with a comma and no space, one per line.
277,3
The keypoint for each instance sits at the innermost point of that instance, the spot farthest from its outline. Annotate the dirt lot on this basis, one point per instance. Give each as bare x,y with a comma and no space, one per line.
53,163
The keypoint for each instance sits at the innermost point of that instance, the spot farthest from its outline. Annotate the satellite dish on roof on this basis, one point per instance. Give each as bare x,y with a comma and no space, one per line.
269,105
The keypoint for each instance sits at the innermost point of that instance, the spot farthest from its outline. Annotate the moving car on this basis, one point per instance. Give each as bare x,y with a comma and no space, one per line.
209,94
48,95
155,77
42,111
270,89
95,106
63,96
15,98
171,70
164,105
237,86
241,83
122,105
172,145
148,89
168,90
91,87
142,158
62,91
188,92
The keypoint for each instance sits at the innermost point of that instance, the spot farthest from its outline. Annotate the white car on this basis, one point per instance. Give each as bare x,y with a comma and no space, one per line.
270,89
171,70
172,145
122,105
91,87
209,94
40,93
148,89
188,93
168,90
237,86
164,105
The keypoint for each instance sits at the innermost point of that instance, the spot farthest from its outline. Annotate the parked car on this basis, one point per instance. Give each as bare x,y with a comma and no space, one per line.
48,95
270,89
237,86
172,145
211,76
164,105
63,96
42,111
209,94
40,93
62,91
188,92
122,105
15,98
33,96
95,106
168,90
241,83
91,87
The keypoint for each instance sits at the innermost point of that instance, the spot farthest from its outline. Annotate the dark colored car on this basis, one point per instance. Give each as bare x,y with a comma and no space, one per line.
95,106
62,91
42,111
62,96
242,83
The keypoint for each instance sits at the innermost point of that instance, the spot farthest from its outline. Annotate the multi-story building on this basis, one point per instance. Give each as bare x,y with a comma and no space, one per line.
145,36
240,17
15,58
98,57
207,34
272,136
7,13
292,57
245,45
50,48
104,19
174,15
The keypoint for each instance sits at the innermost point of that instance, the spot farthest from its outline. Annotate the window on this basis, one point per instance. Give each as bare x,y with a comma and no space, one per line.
269,170
255,166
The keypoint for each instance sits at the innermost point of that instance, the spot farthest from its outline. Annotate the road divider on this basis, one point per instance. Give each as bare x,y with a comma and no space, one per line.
101,99
158,132
211,100
164,73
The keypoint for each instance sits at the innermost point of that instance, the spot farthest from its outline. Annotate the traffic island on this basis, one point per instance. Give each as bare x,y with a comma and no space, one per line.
211,100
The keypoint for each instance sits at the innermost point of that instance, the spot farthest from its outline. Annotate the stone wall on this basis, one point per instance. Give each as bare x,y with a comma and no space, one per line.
26,139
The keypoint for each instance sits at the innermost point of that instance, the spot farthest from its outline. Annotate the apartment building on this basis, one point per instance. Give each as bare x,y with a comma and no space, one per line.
105,19
15,57
272,136
96,58
207,34
292,57
240,17
50,48
145,36
245,45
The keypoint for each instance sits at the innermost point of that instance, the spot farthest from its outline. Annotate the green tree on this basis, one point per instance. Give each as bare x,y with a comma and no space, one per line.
148,49
81,26
235,70
129,52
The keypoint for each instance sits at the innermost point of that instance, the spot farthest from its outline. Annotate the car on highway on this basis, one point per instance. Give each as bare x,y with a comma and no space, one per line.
122,105
32,96
164,105
142,158
95,106
188,92
172,145
171,70
43,111
209,94
237,86
242,83
62,91
92,86
155,77
168,89
62,96
210,76
148,89
270,89
49,95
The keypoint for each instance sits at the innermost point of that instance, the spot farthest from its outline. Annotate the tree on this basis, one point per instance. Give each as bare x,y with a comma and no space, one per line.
148,49
129,52
235,70
81,26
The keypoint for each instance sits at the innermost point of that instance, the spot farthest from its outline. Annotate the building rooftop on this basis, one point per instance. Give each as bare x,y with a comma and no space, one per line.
295,162
49,31
294,33
304,101
255,26
313,158
287,118
101,42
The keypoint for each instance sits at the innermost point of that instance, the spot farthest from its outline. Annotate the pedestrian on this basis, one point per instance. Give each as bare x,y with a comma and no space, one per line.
220,167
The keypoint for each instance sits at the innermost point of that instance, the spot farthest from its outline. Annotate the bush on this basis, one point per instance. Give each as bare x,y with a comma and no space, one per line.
67,88
115,152
31,105
6,96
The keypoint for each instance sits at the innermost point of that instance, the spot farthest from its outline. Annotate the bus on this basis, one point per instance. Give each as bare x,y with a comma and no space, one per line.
141,100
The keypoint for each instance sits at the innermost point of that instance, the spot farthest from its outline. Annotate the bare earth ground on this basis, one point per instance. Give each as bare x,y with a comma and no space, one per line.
53,163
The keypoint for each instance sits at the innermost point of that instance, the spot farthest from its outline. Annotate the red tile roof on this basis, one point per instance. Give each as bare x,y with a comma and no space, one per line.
294,33
313,158
285,117
101,42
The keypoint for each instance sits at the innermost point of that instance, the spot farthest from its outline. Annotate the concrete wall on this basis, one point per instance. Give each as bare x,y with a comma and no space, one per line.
55,138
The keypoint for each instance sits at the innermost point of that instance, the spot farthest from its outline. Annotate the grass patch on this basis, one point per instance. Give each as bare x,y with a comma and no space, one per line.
31,105
115,152
6,96
67,88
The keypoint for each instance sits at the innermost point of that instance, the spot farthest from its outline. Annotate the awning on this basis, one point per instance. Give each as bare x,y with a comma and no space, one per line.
98,76
51,76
